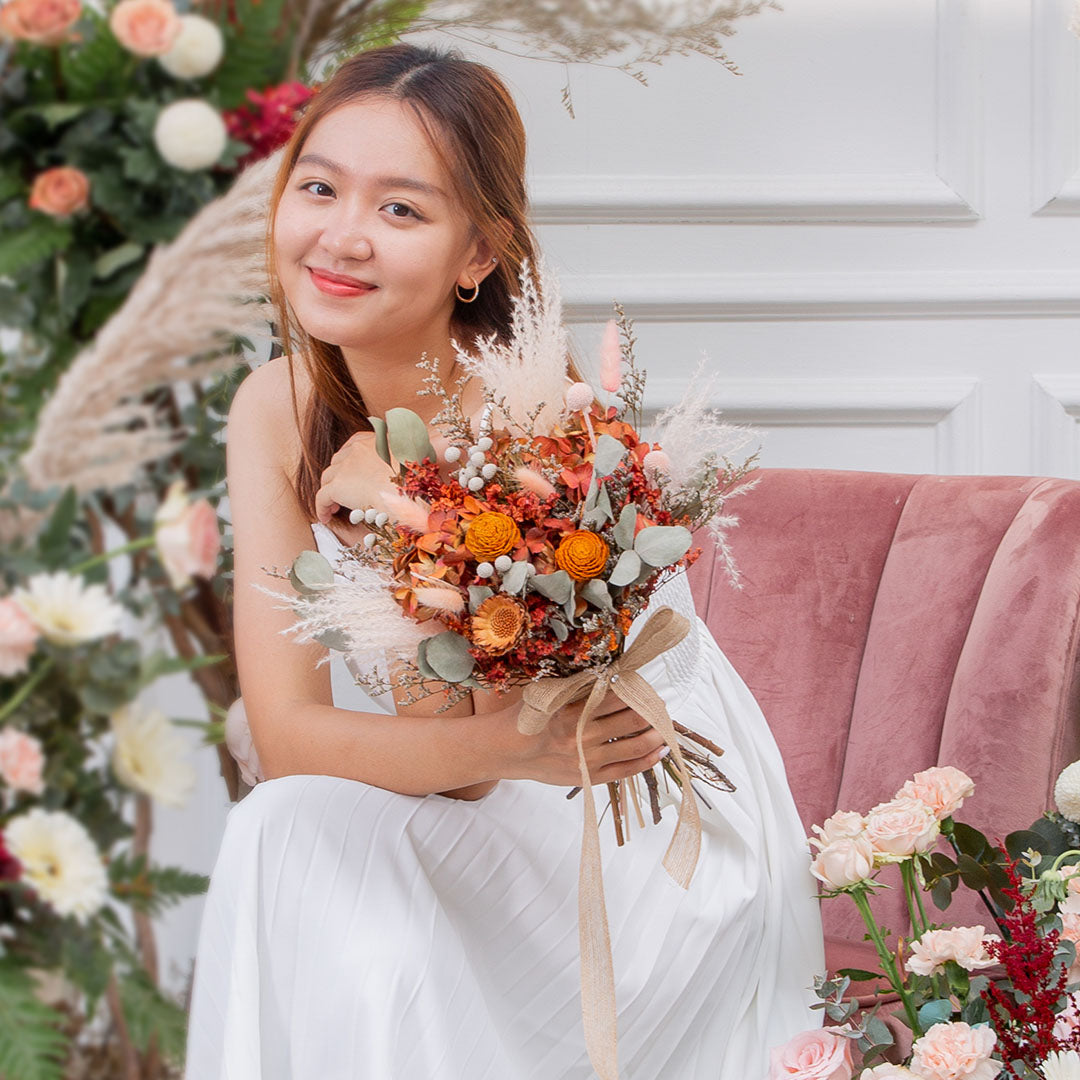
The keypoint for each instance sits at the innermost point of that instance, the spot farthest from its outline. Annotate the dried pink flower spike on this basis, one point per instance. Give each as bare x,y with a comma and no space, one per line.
610,358
534,482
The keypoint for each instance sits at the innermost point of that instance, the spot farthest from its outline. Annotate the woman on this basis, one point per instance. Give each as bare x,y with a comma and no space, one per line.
397,900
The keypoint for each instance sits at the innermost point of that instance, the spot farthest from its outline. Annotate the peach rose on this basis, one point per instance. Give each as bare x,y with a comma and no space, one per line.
821,1054
1068,1020
18,638
187,536
843,825
900,828
942,788
145,27
844,862
964,945
21,761
60,191
43,22
1069,910
955,1052
888,1071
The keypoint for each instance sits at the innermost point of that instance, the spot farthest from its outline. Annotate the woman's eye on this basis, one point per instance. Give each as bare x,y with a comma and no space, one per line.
408,210
314,184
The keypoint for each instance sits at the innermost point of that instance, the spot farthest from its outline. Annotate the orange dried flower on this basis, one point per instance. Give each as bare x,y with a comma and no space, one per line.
498,624
582,554
492,534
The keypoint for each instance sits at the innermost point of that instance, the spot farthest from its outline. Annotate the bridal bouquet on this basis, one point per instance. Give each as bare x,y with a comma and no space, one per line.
529,562
979,1004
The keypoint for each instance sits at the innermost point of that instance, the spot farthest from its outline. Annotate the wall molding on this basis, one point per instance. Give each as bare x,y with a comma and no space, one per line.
949,406
731,296
1055,121
1055,425
951,192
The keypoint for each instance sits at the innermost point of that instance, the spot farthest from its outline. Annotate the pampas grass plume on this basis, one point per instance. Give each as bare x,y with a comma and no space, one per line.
610,358
532,481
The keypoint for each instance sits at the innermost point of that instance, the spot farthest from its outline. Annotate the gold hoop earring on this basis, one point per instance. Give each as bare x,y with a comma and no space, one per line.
468,299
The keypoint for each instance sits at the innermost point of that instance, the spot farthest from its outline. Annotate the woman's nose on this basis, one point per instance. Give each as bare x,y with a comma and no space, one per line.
347,237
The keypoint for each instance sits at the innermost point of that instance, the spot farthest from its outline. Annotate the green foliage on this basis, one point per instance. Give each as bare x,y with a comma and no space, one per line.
257,45
151,888
148,1012
97,67
25,248
32,1046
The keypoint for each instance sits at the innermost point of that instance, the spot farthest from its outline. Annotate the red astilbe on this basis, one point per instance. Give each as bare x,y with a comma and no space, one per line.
1024,1016
268,121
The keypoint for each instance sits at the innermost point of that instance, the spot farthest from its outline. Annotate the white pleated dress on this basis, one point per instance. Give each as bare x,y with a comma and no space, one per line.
354,933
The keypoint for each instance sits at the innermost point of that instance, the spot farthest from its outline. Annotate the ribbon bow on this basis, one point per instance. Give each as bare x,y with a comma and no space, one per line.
542,699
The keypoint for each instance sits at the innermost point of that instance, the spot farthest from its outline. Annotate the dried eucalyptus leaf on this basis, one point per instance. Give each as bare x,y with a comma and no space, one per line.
448,656
407,436
333,639
623,533
382,448
513,581
558,586
609,452
421,660
596,592
626,569
310,573
559,629
477,595
662,545
600,511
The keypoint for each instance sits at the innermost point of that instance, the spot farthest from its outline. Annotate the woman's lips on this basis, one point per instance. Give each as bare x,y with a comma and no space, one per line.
338,288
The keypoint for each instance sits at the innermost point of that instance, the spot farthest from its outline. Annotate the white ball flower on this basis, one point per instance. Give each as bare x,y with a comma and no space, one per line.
149,755
60,861
369,540
1067,792
190,134
485,442
476,483
370,514
477,459
197,50
452,453
503,563
489,470
381,518
66,610
485,570
355,517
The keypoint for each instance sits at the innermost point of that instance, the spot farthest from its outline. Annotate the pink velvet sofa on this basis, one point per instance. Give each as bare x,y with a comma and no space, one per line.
891,622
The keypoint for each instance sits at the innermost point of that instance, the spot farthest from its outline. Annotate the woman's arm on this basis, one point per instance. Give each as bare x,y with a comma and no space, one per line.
294,724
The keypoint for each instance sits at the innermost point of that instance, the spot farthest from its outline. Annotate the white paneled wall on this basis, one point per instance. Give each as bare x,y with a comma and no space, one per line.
873,234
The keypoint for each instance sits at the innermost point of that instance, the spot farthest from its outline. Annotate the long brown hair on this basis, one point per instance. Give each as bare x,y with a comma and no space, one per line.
477,134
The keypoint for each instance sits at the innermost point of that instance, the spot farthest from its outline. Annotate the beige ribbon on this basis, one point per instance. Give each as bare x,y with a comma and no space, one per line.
542,699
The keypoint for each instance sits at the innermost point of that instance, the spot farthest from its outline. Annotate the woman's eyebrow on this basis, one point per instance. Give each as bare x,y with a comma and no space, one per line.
382,181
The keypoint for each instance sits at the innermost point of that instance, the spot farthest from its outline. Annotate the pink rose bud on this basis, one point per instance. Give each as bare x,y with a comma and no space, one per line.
59,191
819,1054
610,358
18,638
145,27
21,761
43,22
187,537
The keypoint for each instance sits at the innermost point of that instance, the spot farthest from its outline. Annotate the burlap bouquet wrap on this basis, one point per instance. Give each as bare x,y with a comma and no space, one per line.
542,699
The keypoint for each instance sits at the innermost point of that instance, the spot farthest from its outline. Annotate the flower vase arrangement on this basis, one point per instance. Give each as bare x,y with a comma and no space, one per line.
82,760
983,1001
528,563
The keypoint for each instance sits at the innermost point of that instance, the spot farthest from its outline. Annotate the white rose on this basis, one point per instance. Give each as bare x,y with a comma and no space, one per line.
189,134
196,51
843,825
844,862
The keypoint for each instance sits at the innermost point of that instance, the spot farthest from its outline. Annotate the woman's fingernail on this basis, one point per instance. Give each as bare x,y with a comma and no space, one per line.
664,753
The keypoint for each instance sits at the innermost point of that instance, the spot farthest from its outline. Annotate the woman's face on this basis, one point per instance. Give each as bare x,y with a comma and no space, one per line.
368,202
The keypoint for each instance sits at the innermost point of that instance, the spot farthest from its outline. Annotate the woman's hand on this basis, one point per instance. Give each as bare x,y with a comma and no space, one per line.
356,474
618,743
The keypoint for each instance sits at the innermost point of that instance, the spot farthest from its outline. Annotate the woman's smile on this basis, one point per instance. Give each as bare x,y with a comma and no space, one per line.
338,285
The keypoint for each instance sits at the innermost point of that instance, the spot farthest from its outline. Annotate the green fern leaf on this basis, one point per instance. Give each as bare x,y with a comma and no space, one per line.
148,1013
98,66
31,1045
256,48
26,247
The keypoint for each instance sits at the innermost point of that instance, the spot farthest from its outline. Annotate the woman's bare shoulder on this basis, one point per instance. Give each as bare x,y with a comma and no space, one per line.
262,408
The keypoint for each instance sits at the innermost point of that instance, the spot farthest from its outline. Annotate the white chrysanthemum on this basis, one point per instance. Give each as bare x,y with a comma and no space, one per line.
149,755
197,50
190,134
59,860
66,610
1067,792
1062,1065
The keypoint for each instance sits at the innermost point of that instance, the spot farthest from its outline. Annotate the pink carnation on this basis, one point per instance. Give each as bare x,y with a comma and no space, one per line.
18,638
964,945
820,1054
955,1052
21,761
942,788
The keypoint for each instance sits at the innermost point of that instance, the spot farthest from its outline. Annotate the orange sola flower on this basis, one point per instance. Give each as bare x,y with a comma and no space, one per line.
498,624
582,554
492,534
